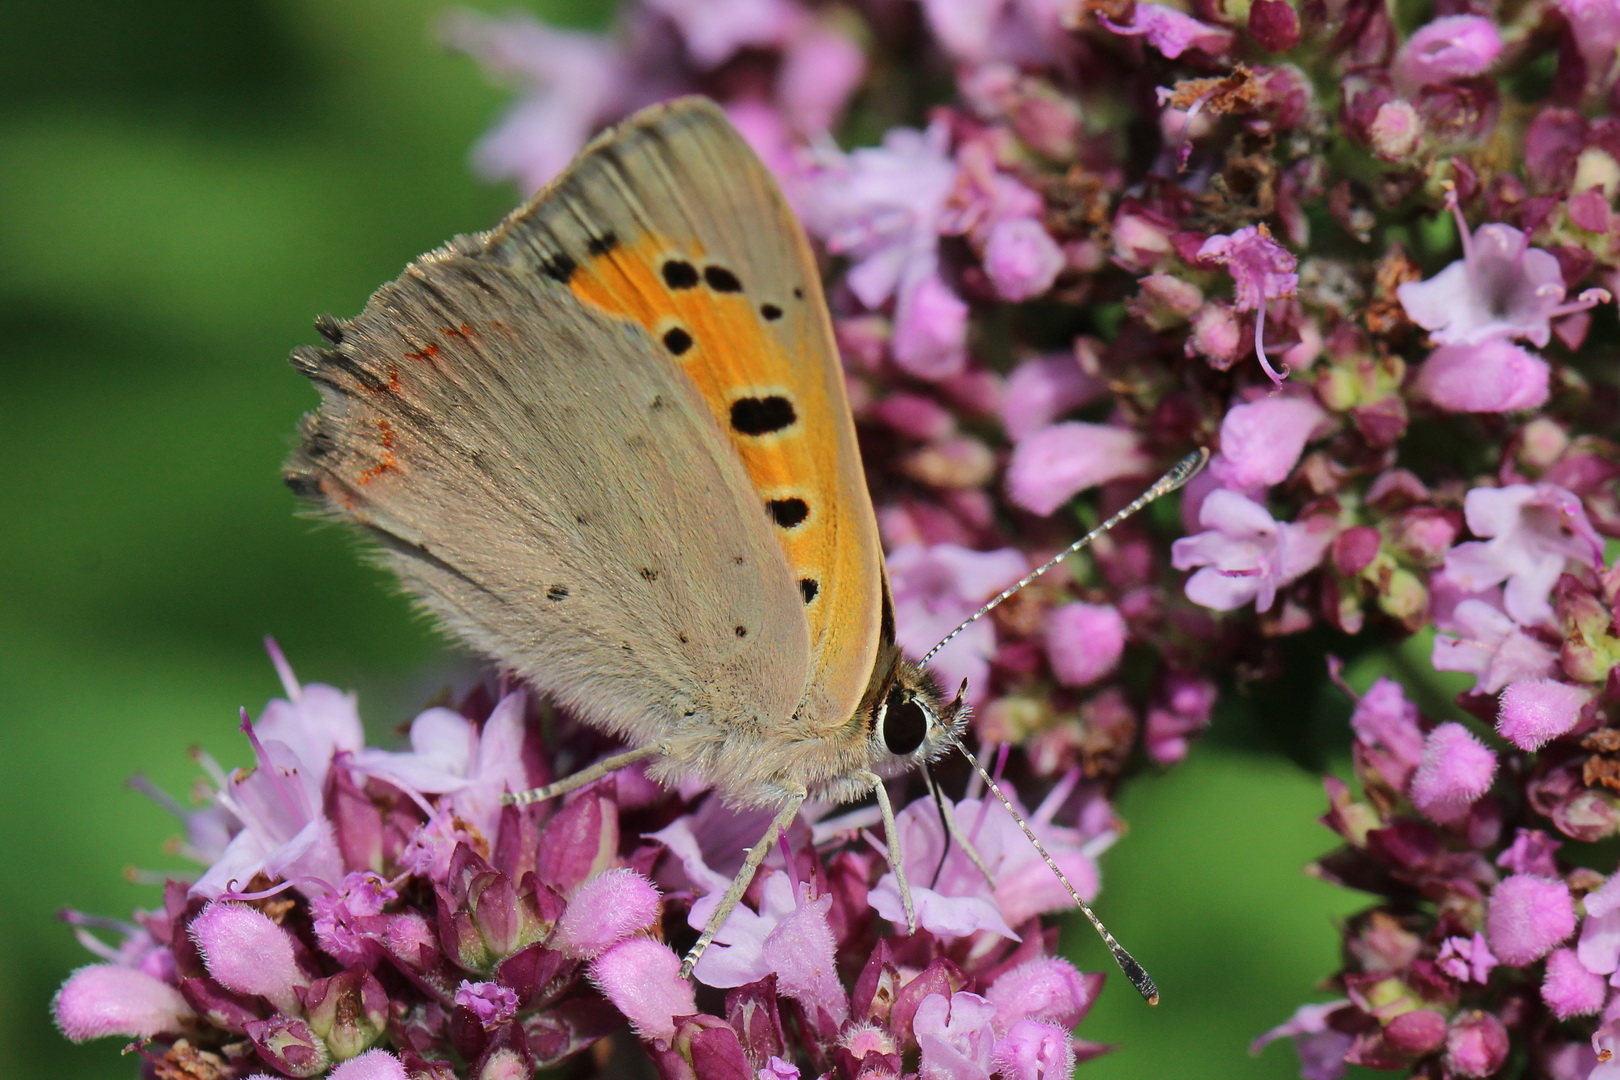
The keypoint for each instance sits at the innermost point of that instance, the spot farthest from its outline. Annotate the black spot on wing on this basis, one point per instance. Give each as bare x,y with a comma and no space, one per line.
679,274
649,574
601,245
788,513
559,267
809,587
556,592
740,631
798,293
721,280
770,311
762,415
677,341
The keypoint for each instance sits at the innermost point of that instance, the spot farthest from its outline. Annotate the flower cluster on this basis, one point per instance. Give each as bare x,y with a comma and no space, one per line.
368,914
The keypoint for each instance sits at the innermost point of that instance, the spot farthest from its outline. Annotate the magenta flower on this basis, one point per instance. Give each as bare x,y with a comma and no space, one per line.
1172,32
1453,47
1021,259
1084,642
108,999
1051,466
1531,531
1480,639
1527,917
1571,990
1262,270
1467,959
1493,376
1245,555
1455,770
642,979
937,587
1536,711
1261,441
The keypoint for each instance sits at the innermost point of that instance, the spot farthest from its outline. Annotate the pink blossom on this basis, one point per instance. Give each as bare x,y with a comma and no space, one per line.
1476,1045
937,587
1396,131
1599,946
371,1065
1532,852
821,69
1482,640
1032,1050
1261,441
1321,1049
607,909
1449,48
1386,727
956,1036
491,1004
1595,27
1467,959
1182,708
1084,642
1535,711
1526,917
1493,376
246,951
1056,463
1531,531
713,30
109,999
930,330
1040,390
642,979
1571,990
1245,555
1501,288
1021,259
1048,989
1456,769
1173,32
1262,270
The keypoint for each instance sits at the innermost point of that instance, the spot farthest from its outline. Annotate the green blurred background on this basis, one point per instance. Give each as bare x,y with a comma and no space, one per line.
183,186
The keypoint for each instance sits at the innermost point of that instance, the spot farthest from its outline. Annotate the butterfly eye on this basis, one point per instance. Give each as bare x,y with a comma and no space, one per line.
905,723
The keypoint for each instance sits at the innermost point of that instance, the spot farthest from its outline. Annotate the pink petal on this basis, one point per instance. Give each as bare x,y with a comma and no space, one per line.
109,999
1055,464
642,979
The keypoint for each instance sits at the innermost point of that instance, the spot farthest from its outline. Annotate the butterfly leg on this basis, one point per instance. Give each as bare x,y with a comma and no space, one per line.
580,779
739,884
891,837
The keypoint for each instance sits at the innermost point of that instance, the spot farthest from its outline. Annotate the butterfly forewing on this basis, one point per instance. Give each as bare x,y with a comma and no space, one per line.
672,224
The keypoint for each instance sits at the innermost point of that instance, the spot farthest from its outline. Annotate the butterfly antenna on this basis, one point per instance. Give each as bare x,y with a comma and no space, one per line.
1127,963
1184,470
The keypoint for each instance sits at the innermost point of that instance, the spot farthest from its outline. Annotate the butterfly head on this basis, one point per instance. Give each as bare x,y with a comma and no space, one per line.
912,722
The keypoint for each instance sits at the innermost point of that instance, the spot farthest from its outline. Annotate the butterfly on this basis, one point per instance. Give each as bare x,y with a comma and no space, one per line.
607,443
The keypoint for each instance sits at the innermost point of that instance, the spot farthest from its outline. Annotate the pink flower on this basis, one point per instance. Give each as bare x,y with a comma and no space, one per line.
1173,32
1571,990
1501,288
1032,1050
1056,463
1599,945
246,951
608,908
1386,727
1321,1049
1456,769
1262,440
1476,1045
1532,531
1595,27
713,30
571,82
642,979
1084,642
1480,639
1021,259
1467,959
930,330
1493,376
1535,711
109,999
956,1036
1246,555
821,69
937,587
1527,917
1262,270
491,1004
1040,390
1532,852
1454,47
371,1065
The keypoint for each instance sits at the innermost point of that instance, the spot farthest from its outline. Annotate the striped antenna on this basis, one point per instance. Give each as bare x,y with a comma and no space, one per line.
1184,470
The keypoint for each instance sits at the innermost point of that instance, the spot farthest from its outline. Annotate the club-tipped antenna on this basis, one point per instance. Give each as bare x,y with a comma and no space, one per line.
1127,963
1184,470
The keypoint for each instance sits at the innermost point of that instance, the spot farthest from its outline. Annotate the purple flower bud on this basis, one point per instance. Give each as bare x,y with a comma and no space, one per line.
1261,441
1527,917
1355,548
1021,259
1493,376
580,842
491,1004
1531,713
109,999
1571,990
930,330
1039,391
1476,1045
1415,1033
1166,300
1456,769
1274,25
1032,1050
289,1046
642,979
1395,130
372,1065
1084,642
1217,335
1449,48
1047,988
1053,465
246,951
348,1012
607,909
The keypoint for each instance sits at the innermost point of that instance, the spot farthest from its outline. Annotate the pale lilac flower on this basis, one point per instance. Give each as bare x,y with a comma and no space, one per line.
1084,642
491,1004
1480,639
1467,959
1569,989
642,979
936,588
1595,27
1032,1050
930,330
1599,946
1531,531
1527,917
607,909
1321,1049
1501,288
109,999
821,69
1262,270
1245,555
1051,466
713,30
1021,259
1040,390
337,917
371,1065
1535,711
1386,726
1456,769
1449,48
956,1036
246,951
570,81
1261,441
1532,852
1493,376
1173,32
